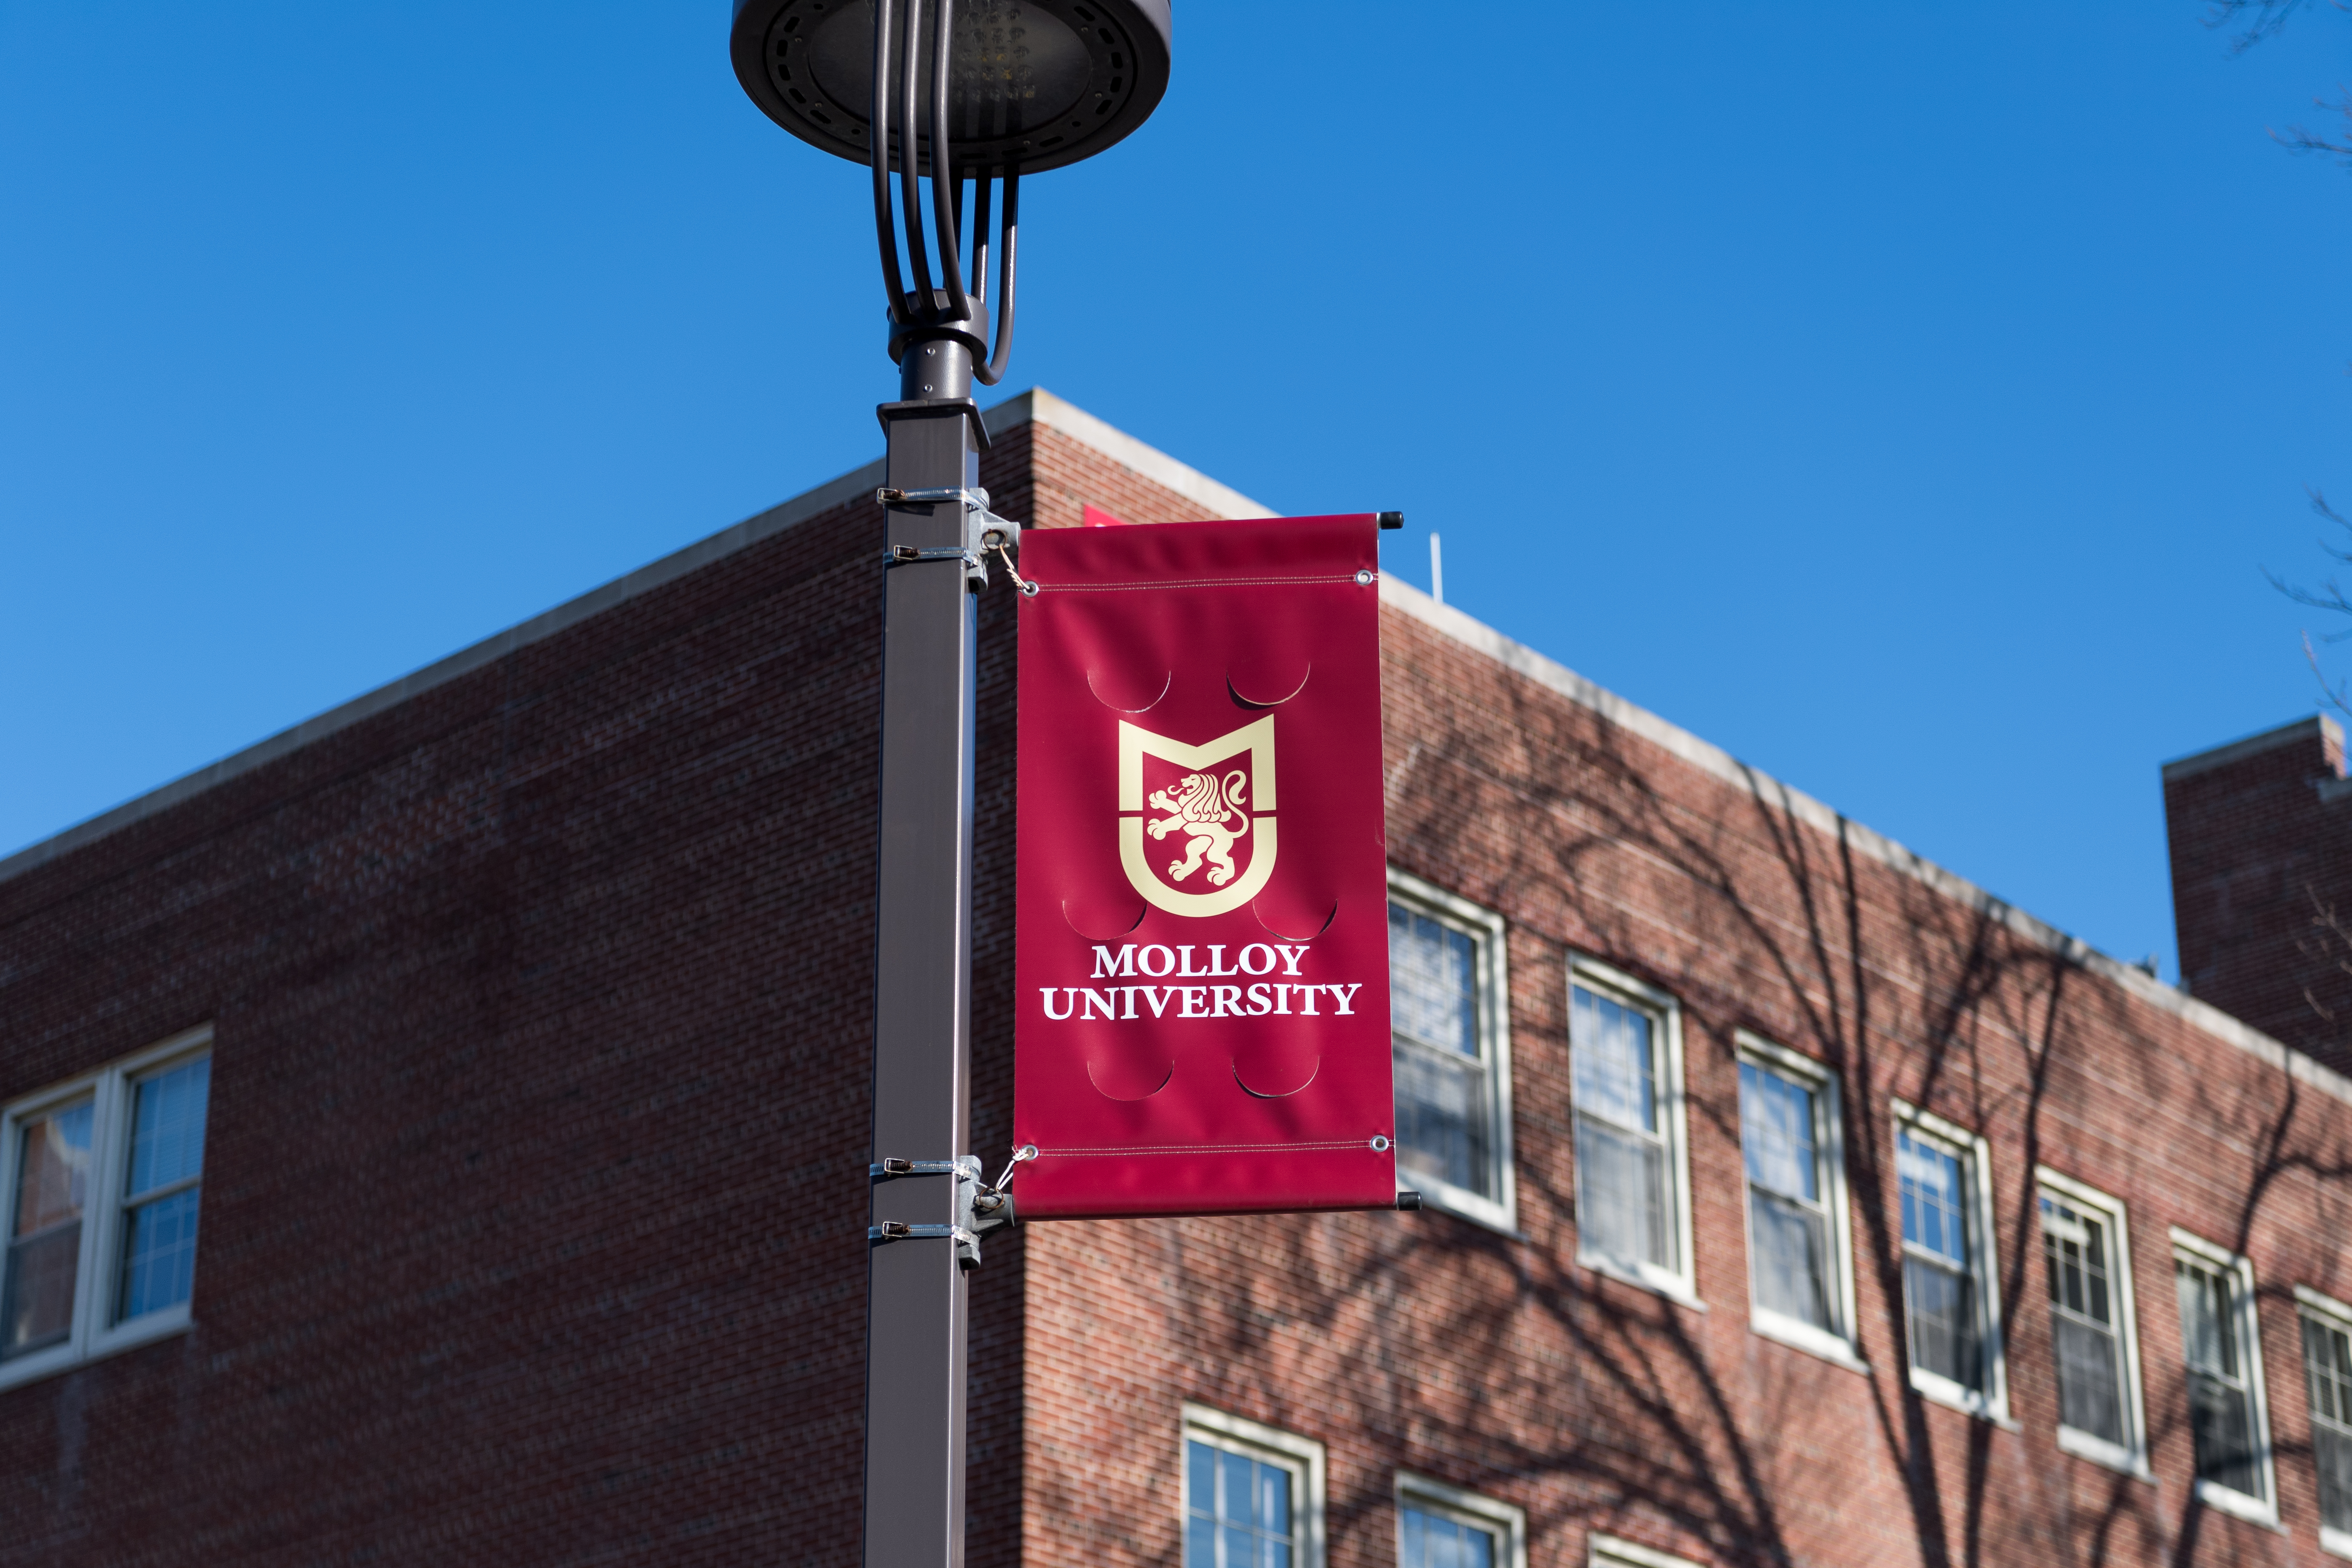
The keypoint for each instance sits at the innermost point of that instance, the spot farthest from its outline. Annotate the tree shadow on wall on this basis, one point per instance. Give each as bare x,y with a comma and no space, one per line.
1798,930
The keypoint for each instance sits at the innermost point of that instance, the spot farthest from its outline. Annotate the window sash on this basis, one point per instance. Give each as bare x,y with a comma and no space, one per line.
1940,1302
1616,1071
1624,1206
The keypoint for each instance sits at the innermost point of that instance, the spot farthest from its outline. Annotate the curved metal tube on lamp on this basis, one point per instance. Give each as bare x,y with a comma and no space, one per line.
947,184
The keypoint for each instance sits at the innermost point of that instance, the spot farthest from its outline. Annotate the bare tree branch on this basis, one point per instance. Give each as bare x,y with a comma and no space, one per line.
2259,20
2328,597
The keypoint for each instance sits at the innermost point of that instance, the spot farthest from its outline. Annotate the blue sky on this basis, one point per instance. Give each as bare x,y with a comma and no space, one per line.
1903,397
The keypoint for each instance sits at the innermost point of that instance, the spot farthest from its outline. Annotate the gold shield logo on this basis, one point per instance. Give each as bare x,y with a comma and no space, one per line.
1206,818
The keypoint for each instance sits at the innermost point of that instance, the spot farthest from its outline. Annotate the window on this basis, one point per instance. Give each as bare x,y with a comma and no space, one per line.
1950,1311
1252,1495
2086,1259
1625,1051
1800,1270
101,1182
2327,1366
2226,1423
1449,1003
1439,1526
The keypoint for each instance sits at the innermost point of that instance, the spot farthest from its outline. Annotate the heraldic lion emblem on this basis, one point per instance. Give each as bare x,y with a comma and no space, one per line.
1201,806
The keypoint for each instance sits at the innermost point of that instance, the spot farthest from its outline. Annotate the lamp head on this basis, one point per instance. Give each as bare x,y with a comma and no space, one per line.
1031,84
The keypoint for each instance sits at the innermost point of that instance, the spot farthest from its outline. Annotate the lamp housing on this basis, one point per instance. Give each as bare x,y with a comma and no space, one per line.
1031,84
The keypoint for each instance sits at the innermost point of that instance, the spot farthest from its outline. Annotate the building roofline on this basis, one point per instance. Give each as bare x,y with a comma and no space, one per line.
1712,759
1036,406
1040,406
2319,724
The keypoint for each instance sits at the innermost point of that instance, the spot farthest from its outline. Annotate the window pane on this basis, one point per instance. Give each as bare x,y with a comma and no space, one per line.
1792,1258
1615,1067
53,1169
1934,1215
2090,1390
1199,1542
1622,1194
167,1131
2332,1450
1943,1321
1233,1487
1273,1499
1432,982
159,1254
2206,1329
44,1250
1776,1134
39,1306
1441,1117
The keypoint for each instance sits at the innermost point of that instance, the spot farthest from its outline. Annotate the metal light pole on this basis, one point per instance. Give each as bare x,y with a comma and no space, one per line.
983,90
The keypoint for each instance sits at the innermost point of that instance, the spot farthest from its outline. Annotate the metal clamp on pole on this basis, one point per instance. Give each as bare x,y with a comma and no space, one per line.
899,1230
984,531
888,1165
978,1208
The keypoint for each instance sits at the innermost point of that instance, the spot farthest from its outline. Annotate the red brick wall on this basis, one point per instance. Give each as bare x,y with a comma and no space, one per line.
2260,836
539,1114
534,1175
1427,1343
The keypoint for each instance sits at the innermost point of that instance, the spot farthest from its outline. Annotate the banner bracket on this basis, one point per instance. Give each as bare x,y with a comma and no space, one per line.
984,531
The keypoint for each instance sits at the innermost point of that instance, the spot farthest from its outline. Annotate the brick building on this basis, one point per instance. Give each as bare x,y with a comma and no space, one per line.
1792,1200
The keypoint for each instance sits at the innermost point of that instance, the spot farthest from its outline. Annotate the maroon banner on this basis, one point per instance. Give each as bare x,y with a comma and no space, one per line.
1201,944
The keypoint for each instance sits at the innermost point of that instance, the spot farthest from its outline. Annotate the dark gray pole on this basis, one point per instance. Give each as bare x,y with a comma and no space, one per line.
914,1292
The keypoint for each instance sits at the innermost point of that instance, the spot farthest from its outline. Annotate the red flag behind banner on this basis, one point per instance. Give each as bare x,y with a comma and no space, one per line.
1202,959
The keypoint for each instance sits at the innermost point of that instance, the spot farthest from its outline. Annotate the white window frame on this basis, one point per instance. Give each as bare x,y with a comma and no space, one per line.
1679,1283
1612,1552
1507,1523
2335,1314
1304,1457
2249,1330
1975,1159
1838,1344
1489,936
2131,1457
98,1270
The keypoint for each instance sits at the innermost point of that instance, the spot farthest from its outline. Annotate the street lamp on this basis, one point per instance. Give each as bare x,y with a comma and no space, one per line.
1020,85
981,91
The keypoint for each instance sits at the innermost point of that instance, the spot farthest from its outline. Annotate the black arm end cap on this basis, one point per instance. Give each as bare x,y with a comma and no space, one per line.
1391,520
1408,1200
